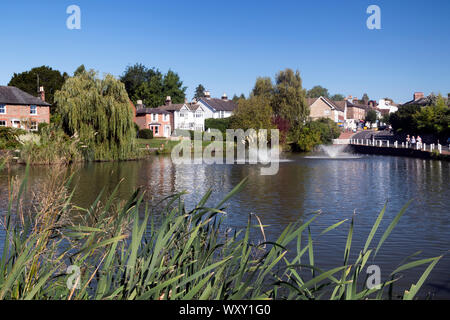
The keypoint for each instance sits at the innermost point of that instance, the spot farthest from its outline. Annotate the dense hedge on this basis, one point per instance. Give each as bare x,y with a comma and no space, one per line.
8,137
145,134
221,124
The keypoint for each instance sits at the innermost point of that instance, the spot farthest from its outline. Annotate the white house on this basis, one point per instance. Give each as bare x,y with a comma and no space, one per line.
186,116
217,108
384,104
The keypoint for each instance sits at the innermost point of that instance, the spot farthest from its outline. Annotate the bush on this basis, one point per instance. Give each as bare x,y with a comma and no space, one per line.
41,126
328,129
8,137
321,131
53,146
219,124
145,134
306,138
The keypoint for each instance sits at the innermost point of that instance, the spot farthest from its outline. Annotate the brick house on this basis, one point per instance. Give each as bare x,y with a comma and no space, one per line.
158,120
19,109
326,108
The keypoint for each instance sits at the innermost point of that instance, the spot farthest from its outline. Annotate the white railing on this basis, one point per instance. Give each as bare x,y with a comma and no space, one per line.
403,145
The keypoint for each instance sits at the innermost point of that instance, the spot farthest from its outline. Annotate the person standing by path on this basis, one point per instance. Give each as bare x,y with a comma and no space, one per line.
419,142
413,142
408,140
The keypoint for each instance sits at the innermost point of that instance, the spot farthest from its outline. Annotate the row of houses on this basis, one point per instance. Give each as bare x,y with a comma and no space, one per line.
19,109
163,120
349,113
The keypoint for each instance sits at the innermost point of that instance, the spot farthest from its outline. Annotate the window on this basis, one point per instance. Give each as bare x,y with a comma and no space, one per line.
166,117
155,130
198,114
183,114
154,117
327,112
33,110
222,114
33,126
2,108
2,123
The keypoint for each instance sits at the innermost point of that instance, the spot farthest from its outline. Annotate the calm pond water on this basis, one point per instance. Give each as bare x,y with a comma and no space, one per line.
339,188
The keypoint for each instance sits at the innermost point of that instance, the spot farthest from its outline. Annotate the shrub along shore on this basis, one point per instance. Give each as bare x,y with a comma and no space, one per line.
126,250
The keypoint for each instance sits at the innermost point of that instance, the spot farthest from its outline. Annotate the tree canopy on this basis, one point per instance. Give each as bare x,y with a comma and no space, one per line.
318,91
199,92
289,99
337,97
371,116
51,80
263,88
253,113
98,112
151,86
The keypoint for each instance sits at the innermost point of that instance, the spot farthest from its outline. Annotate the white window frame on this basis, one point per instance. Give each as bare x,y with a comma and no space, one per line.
166,117
154,117
199,114
35,113
3,106
34,123
3,125
155,129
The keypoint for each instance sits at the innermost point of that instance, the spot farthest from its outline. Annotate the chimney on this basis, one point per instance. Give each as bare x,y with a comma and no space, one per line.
207,94
224,96
42,93
168,101
418,95
139,104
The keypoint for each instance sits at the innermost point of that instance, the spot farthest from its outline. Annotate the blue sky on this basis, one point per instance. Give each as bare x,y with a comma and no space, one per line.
225,45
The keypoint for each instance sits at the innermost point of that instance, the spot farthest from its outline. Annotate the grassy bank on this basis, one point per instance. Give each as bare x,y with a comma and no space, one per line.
124,250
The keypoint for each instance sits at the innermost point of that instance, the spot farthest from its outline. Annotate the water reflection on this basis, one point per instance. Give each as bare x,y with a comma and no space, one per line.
339,188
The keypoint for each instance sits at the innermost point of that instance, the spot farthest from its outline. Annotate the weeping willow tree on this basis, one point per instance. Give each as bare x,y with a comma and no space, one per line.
98,112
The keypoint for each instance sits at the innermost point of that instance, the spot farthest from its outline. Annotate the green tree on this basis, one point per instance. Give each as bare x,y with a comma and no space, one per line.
371,117
337,97
253,113
237,98
151,92
173,87
365,99
263,88
199,92
51,80
317,91
305,138
98,112
151,86
289,100
81,69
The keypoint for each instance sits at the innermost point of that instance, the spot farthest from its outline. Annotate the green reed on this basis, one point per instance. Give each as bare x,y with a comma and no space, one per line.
125,251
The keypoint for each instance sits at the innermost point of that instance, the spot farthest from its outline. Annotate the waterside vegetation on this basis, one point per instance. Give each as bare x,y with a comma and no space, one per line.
126,250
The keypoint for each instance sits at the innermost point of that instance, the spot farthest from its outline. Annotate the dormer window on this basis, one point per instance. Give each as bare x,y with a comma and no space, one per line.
33,110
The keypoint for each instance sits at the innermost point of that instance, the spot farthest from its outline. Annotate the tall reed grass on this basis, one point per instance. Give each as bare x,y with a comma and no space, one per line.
124,251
